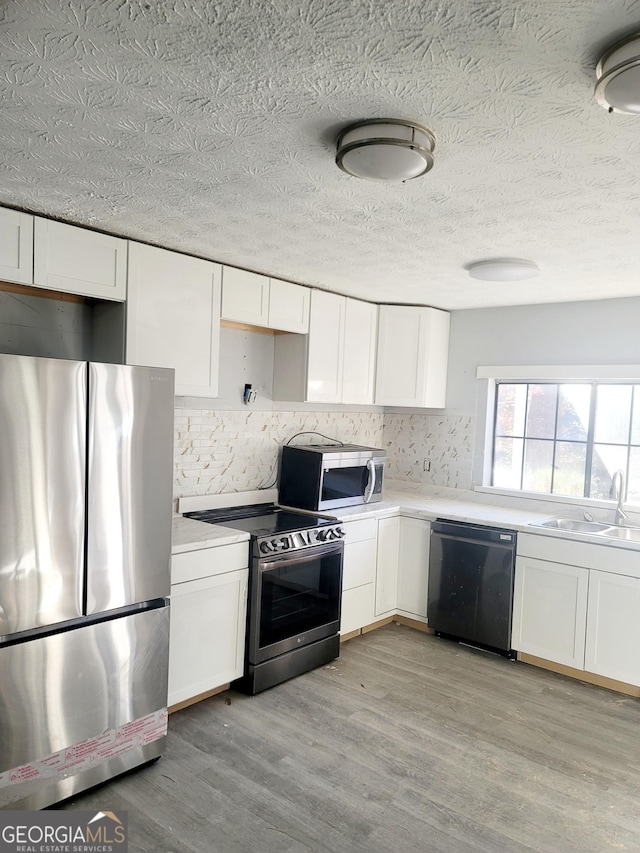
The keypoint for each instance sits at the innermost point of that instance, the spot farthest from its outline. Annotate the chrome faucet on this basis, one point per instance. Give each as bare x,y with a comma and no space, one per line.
616,492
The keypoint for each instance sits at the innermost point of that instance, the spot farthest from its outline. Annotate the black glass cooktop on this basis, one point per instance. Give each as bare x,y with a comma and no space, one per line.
261,519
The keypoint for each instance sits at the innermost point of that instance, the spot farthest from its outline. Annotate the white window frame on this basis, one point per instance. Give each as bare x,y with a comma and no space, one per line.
490,375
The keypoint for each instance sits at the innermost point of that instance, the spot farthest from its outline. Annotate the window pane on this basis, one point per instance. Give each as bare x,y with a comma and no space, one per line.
512,400
569,469
607,459
635,420
574,404
507,463
613,413
633,487
541,411
538,462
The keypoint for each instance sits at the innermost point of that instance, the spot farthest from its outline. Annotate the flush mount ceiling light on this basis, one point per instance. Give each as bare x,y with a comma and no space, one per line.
385,149
503,269
618,73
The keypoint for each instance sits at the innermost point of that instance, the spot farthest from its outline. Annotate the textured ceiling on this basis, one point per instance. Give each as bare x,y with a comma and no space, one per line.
210,127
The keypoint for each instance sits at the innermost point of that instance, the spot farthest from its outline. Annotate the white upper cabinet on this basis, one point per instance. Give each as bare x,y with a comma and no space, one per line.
16,247
76,260
326,347
413,346
248,297
289,306
173,316
245,297
335,363
358,373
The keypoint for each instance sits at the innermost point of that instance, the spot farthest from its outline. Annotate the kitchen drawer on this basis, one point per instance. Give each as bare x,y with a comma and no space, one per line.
208,562
358,531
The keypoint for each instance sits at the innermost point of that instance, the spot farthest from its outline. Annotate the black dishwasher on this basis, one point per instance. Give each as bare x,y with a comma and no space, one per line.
471,583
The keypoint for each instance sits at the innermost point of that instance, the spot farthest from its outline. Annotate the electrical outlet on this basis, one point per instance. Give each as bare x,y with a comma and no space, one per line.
426,464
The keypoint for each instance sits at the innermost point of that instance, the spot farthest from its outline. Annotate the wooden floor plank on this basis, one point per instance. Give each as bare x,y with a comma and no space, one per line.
406,742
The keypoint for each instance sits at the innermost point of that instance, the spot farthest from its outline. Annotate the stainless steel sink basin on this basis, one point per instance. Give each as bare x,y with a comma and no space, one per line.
631,534
575,525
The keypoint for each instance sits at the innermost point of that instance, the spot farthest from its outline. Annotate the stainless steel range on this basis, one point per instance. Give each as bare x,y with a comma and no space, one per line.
295,587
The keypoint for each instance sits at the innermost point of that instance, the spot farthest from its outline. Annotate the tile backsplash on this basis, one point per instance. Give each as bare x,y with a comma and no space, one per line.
233,451
446,442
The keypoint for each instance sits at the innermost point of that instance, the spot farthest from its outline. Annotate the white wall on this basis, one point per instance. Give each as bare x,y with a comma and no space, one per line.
601,332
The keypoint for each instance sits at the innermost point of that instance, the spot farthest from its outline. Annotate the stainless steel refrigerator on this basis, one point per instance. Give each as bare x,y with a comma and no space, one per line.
86,459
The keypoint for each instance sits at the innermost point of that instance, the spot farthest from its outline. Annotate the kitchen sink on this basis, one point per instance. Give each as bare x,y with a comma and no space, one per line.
575,525
631,534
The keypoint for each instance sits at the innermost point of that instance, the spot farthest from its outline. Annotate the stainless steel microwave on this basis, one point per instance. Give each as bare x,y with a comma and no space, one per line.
324,477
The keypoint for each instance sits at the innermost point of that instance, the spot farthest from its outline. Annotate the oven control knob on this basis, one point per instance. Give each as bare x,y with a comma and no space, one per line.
266,547
281,544
321,535
339,533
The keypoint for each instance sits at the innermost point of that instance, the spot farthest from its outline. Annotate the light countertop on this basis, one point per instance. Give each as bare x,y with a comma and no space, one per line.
190,535
413,500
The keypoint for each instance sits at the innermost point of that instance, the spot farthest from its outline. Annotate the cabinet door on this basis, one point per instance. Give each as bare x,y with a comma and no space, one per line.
550,610
325,347
173,317
245,297
387,565
76,260
359,563
613,627
206,643
413,567
16,247
289,306
413,345
360,331
357,608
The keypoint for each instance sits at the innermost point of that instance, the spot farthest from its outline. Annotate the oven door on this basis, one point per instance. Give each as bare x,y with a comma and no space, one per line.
349,485
295,600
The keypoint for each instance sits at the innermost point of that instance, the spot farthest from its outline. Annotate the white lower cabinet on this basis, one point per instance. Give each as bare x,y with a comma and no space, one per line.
567,610
550,610
387,566
359,574
208,620
613,627
413,567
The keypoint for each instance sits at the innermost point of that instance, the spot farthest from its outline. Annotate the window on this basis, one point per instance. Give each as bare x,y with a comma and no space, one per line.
566,438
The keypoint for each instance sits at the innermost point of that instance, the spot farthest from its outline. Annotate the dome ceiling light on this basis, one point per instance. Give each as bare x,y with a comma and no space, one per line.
385,149
503,269
618,73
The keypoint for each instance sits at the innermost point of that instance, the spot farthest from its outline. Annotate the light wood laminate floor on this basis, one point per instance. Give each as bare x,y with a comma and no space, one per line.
405,743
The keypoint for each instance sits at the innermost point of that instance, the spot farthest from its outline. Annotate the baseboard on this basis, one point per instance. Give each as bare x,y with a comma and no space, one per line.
192,701
372,627
412,623
581,675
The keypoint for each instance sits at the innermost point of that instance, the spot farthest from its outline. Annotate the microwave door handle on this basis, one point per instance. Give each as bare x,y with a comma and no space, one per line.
371,485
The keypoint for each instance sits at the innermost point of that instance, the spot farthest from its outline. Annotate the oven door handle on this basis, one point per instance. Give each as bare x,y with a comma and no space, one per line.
300,556
371,485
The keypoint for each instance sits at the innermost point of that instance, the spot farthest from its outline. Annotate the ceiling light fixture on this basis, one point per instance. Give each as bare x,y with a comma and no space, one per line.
618,73
385,149
503,269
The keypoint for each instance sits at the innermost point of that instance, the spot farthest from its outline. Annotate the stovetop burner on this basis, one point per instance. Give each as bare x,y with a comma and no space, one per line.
262,519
